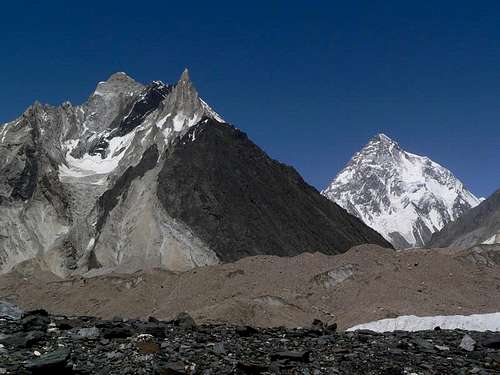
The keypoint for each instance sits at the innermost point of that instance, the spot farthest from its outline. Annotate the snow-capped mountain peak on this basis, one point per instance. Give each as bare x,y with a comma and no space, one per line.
405,197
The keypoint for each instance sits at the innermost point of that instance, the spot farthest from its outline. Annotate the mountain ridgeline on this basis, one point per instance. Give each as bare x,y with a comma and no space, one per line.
479,225
403,196
149,176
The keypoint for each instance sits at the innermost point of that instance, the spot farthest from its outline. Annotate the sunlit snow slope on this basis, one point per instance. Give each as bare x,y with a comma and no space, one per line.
403,196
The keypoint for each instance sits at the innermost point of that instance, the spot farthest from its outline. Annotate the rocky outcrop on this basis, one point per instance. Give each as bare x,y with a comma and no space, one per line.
479,225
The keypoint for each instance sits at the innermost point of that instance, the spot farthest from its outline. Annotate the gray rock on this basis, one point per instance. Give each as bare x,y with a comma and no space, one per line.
88,333
50,361
332,278
219,348
173,368
10,311
467,343
184,320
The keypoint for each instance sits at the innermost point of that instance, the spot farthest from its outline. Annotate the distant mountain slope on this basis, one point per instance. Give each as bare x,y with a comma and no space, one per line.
241,202
479,225
403,196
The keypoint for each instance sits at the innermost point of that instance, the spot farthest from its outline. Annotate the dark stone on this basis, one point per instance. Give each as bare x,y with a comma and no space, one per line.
152,319
25,184
250,368
246,331
38,312
67,324
332,327
23,340
302,356
99,147
172,368
393,370
492,342
184,320
55,360
116,332
35,320
155,330
318,325
148,102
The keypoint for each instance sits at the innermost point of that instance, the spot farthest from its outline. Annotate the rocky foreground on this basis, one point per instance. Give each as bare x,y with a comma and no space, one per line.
38,343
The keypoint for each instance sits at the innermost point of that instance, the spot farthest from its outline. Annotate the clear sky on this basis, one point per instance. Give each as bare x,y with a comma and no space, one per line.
309,81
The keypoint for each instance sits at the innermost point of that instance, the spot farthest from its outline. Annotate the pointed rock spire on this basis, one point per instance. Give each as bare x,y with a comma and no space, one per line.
185,76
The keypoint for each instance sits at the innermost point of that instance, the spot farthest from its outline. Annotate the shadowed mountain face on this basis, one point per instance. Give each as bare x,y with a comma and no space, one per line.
479,225
145,176
241,202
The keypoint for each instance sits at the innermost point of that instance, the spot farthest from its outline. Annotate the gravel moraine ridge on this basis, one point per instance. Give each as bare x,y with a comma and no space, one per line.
39,343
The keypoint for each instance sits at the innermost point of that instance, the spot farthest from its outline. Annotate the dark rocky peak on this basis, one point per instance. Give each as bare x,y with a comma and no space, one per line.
241,202
158,87
149,100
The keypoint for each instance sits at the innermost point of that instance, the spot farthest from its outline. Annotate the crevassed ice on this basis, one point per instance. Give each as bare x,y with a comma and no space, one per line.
475,322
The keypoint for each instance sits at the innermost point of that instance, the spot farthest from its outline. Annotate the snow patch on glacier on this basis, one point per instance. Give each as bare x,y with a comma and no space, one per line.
475,322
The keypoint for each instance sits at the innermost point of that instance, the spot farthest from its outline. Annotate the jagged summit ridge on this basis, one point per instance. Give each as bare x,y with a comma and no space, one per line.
57,161
405,197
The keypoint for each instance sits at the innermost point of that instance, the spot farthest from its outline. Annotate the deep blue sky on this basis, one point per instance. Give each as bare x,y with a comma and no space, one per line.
310,82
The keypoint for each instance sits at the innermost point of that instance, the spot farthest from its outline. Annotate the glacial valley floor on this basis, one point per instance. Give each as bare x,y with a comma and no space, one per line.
364,284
